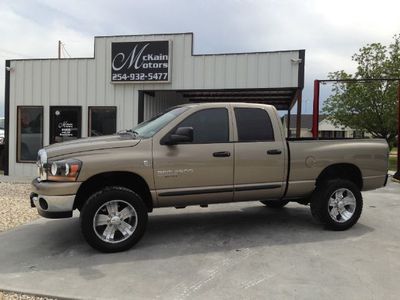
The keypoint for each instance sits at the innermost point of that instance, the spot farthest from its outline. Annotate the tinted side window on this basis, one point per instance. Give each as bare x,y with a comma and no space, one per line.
30,132
102,120
253,124
209,126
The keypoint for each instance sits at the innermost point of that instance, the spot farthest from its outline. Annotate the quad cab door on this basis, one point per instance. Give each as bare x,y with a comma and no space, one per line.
200,171
260,154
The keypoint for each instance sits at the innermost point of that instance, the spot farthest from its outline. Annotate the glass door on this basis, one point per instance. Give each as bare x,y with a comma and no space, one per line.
65,123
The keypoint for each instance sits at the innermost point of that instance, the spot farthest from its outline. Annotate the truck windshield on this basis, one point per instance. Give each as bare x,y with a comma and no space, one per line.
151,127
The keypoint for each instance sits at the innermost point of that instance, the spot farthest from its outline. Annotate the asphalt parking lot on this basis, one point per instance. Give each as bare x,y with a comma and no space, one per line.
230,251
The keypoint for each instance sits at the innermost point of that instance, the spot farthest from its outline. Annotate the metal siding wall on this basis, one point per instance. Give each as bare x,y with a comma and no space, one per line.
230,71
45,98
220,62
241,71
252,70
199,72
36,83
86,82
262,76
160,102
54,83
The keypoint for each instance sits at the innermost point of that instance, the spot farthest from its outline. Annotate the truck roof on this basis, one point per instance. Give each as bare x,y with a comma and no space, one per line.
211,104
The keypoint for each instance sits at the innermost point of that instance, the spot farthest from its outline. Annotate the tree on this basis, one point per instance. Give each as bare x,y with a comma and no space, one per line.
368,106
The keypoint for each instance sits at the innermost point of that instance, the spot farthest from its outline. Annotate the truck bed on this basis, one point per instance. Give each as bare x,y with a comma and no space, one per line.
309,157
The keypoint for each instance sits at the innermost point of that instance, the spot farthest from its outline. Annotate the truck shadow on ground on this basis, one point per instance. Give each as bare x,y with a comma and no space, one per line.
58,244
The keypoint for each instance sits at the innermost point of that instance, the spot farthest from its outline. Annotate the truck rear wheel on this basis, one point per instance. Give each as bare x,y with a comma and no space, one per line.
113,219
275,203
337,204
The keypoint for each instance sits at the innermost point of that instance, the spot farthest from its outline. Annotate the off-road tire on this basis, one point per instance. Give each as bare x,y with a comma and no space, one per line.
320,203
275,203
96,201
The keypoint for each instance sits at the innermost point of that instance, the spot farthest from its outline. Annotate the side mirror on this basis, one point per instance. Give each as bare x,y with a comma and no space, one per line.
181,135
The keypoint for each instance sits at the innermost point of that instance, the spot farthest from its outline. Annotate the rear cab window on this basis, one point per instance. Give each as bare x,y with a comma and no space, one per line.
253,125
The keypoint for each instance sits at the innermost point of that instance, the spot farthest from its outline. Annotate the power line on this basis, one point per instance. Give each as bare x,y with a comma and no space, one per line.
63,46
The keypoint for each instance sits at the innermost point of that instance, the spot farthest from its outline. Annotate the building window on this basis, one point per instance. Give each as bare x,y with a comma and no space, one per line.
29,132
357,134
102,120
253,125
326,134
209,126
339,134
65,123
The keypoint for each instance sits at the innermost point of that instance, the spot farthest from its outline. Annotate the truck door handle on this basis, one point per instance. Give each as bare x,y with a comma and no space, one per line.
222,154
274,152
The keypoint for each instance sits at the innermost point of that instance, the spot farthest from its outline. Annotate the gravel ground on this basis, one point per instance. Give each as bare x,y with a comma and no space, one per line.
15,296
14,211
14,205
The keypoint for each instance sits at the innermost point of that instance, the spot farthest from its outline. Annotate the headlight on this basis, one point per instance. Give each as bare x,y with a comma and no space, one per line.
64,170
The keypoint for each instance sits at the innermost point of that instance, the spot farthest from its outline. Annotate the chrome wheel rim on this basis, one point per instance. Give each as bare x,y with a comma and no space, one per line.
342,205
115,221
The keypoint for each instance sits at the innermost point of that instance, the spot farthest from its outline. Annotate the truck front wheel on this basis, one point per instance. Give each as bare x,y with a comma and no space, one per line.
337,204
113,219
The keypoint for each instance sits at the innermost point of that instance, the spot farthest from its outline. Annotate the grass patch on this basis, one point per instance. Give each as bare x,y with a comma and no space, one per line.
393,163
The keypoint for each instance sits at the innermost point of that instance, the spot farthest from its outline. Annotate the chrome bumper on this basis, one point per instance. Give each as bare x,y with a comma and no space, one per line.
53,207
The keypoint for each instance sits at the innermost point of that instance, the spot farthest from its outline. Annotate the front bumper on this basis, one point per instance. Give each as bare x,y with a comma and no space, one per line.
53,207
53,188
54,199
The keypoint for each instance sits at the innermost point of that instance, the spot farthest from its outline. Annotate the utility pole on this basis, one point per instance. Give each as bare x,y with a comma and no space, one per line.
59,49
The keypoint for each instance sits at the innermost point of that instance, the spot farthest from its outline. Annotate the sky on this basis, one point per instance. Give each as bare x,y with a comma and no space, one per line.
330,31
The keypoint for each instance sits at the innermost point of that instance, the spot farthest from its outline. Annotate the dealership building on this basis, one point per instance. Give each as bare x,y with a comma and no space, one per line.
129,79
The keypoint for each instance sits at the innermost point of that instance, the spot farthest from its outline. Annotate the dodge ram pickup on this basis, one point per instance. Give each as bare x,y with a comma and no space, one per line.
200,154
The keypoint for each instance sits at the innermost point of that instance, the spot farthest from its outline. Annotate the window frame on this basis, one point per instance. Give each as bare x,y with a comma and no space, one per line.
90,119
162,140
51,129
253,141
18,137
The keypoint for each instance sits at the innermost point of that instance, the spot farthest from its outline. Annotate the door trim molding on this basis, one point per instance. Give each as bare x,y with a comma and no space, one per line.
257,187
199,191
195,192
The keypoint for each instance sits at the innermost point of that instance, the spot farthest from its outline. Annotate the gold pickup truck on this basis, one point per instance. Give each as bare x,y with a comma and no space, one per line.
200,154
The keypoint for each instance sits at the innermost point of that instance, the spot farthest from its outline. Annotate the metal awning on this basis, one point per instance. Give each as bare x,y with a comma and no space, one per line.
281,98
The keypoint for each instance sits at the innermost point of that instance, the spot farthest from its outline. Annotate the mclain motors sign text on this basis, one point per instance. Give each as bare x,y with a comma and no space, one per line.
140,61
